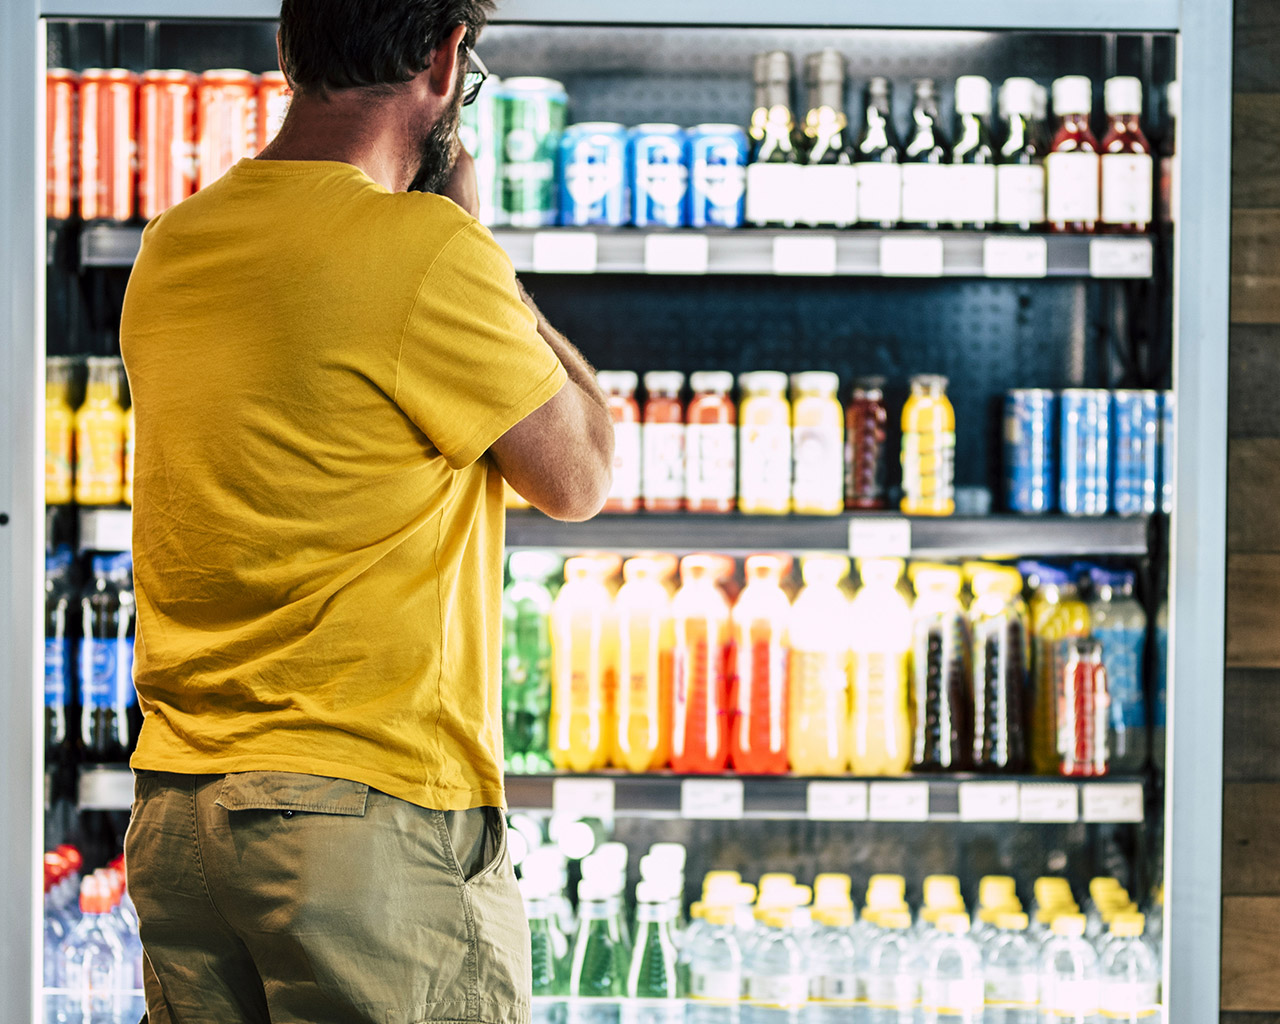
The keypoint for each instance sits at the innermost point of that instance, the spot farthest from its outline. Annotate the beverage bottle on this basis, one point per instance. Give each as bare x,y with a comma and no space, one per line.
1120,625
951,988
715,969
699,713
1155,921
879,158
973,172
775,156
1020,175
1158,712
1071,168
760,110
1128,174
600,959
526,661
1129,987
108,702
646,641
711,448
818,444
889,972
1084,707
55,926
130,434
91,962
1106,898
1057,616
662,440
866,421
651,978
758,732
818,723
924,174
997,894
998,624
99,437
1169,190
928,448
57,657
59,432
764,438
619,387
1068,974
583,658
880,641
125,923
776,976
940,671
833,963
1010,969
831,195
547,977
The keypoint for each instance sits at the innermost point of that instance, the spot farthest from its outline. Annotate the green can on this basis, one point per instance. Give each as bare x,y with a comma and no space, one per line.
481,136
533,118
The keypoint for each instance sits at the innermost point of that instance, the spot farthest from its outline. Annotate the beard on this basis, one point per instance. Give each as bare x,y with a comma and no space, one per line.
439,149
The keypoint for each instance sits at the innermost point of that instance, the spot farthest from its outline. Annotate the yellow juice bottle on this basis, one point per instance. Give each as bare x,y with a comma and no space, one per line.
818,723
583,659
1057,616
646,639
928,449
880,638
130,436
817,444
59,432
100,437
764,437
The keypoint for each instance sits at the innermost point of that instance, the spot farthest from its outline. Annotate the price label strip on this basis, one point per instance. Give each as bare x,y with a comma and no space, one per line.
565,252
1015,257
106,789
109,529
836,801
805,255
711,799
989,801
1115,802
1120,257
899,801
910,257
879,537
1048,802
583,798
676,254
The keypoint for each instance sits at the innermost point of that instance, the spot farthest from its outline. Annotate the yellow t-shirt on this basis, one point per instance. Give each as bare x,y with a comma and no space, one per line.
319,367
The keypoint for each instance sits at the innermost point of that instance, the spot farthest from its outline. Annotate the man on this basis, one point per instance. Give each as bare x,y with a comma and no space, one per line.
333,377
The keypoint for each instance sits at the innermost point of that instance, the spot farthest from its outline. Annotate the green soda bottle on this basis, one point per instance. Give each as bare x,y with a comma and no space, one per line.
526,661
597,977
652,981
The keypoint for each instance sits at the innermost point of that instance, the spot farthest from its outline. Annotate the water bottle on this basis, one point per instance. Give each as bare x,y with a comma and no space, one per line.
1068,974
57,657
108,701
777,982
55,927
1159,711
1120,624
124,924
714,969
652,986
1010,971
889,975
598,973
951,990
1129,989
91,963
833,967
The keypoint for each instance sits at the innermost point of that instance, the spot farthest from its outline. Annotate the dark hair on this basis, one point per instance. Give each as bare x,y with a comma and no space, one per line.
350,44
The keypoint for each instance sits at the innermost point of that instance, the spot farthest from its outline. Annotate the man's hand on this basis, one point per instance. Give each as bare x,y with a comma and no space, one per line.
462,186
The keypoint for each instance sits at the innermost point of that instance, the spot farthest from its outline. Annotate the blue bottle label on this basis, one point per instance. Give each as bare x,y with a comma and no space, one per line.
106,673
1162,675
1122,654
55,673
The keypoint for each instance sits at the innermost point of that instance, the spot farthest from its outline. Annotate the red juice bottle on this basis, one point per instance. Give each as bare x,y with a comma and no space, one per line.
1084,705
1128,185
1071,168
758,731
699,712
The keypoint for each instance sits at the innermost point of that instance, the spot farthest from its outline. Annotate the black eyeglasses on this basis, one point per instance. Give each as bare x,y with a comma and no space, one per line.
474,79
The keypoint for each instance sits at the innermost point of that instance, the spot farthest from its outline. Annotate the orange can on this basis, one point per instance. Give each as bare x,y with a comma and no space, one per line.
61,87
274,96
166,140
226,121
108,143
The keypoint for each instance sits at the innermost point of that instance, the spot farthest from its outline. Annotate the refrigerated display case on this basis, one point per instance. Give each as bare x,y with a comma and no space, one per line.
743,307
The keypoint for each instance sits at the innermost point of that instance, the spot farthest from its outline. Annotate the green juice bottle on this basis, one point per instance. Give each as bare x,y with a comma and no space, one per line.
526,661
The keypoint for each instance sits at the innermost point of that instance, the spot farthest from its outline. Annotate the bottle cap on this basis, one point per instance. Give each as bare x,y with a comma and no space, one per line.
823,570
713,879
652,892
947,579
1122,95
1048,885
670,853
1128,926
924,88
929,381
832,890
941,890
1072,94
614,854
1012,922
1100,885
767,565
617,381
664,382
778,72
815,382
973,95
532,83
1018,97
642,568
885,891
878,85
994,890
1069,924
895,920
715,381
533,565
770,381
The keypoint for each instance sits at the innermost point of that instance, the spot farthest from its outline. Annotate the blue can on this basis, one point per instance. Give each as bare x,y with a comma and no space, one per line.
1030,465
659,177
1084,456
1167,408
716,156
1135,418
593,175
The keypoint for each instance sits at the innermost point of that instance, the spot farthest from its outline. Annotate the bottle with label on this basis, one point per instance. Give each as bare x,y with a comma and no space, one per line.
715,968
600,958
1128,184
662,440
776,978
1084,709
925,192
758,732
1057,616
57,656
1129,986
652,973
998,624
92,965
879,159
880,638
99,446
526,661
700,701
775,158
928,448
130,434
548,977
1068,974
1120,625
832,955
817,441
711,444
1020,175
646,639
866,421
619,387
1071,168
59,432
952,989
818,724
973,171
1010,972
889,972
109,718
1169,191
583,667
831,184
943,700
764,458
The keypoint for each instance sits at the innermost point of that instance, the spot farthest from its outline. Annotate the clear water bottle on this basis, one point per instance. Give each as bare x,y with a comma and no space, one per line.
1068,974
951,988
833,966
1010,971
55,927
1120,624
889,972
598,973
652,985
125,924
777,981
714,969
1129,989
92,967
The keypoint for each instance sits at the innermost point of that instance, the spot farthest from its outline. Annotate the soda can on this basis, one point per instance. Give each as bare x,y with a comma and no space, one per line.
166,140
1135,417
1030,463
60,89
532,112
226,121
479,134
716,156
593,175
274,97
659,177
1084,416
108,143
1167,411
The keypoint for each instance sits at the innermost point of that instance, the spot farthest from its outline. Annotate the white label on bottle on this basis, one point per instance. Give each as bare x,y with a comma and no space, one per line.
819,468
1070,997
1127,188
835,988
836,801
928,467
711,461
988,801
1020,194
971,193
805,255
911,256
899,801
1012,990
1112,802
663,461
830,194
879,537
896,992
587,798
765,466
791,990
725,986
1120,257
1015,257
711,799
1073,182
1127,1000
676,254
626,462
564,252
1048,802
926,193
879,193
106,529
953,997
773,194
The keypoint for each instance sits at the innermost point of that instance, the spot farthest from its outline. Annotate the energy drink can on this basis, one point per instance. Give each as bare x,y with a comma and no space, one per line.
166,140
1167,411
1085,463
593,175
1135,420
716,155
532,116
1029,450
481,136
659,177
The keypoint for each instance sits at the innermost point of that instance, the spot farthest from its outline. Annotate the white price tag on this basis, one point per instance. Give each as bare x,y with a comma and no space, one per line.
1120,257
675,254
908,256
988,801
836,801
1015,257
812,255
106,789
899,801
583,798
564,252
1048,802
109,529
879,537
1115,802
711,798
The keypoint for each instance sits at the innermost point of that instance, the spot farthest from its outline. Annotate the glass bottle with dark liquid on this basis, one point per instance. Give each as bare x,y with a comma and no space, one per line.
831,183
973,172
772,185
924,175
998,621
1020,175
866,422
1128,173
940,672
1072,168
879,157
109,716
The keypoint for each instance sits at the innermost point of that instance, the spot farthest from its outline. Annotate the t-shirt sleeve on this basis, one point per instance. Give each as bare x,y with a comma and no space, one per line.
472,363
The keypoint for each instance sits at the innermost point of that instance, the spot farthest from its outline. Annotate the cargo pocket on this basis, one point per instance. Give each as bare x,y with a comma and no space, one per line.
291,793
477,838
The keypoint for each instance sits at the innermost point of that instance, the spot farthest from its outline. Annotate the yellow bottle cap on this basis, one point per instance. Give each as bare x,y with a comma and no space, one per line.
997,890
1129,926
1069,924
697,909
719,915
833,916
1012,922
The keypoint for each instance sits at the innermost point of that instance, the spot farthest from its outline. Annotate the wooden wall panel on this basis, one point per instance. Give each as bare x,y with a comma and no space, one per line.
1253,611
1250,833
1257,46
1255,151
1253,410
1253,495
1251,953
1252,727
1251,1018
1255,266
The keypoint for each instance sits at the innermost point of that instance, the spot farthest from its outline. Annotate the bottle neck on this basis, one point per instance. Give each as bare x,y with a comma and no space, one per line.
1074,124
1021,137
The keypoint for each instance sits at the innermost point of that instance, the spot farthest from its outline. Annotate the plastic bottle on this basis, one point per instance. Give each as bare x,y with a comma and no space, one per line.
1159,711
124,920
55,926
1011,972
711,444
880,639
99,474
941,683
646,640
1084,710
758,733
764,439
108,702
663,437
91,962
997,896
715,970
600,959
817,441
1057,616
59,432
652,974
1068,974
619,387
699,712
951,989
777,981
818,723
998,624
832,957
1120,625
1129,989
889,975
583,658
928,448
526,661
57,657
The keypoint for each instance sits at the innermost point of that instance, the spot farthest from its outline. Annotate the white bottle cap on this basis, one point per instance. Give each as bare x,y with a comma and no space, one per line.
711,380
664,380
1122,95
1072,94
1018,96
1173,96
673,854
820,381
763,380
973,95
617,380
613,853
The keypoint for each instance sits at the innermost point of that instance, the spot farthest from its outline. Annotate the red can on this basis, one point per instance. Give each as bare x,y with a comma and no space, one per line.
274,96
1084,707
108,143
226,121
167,140
61,87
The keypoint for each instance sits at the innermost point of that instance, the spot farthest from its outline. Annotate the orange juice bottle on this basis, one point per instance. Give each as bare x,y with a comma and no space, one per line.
928,449
764,438
583,658
699,710
100,437
130,436
758,730
817,441
646,637
59,432
880,638
818,720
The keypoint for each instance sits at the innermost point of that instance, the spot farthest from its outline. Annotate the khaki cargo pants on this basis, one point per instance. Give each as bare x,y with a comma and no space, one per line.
295,899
